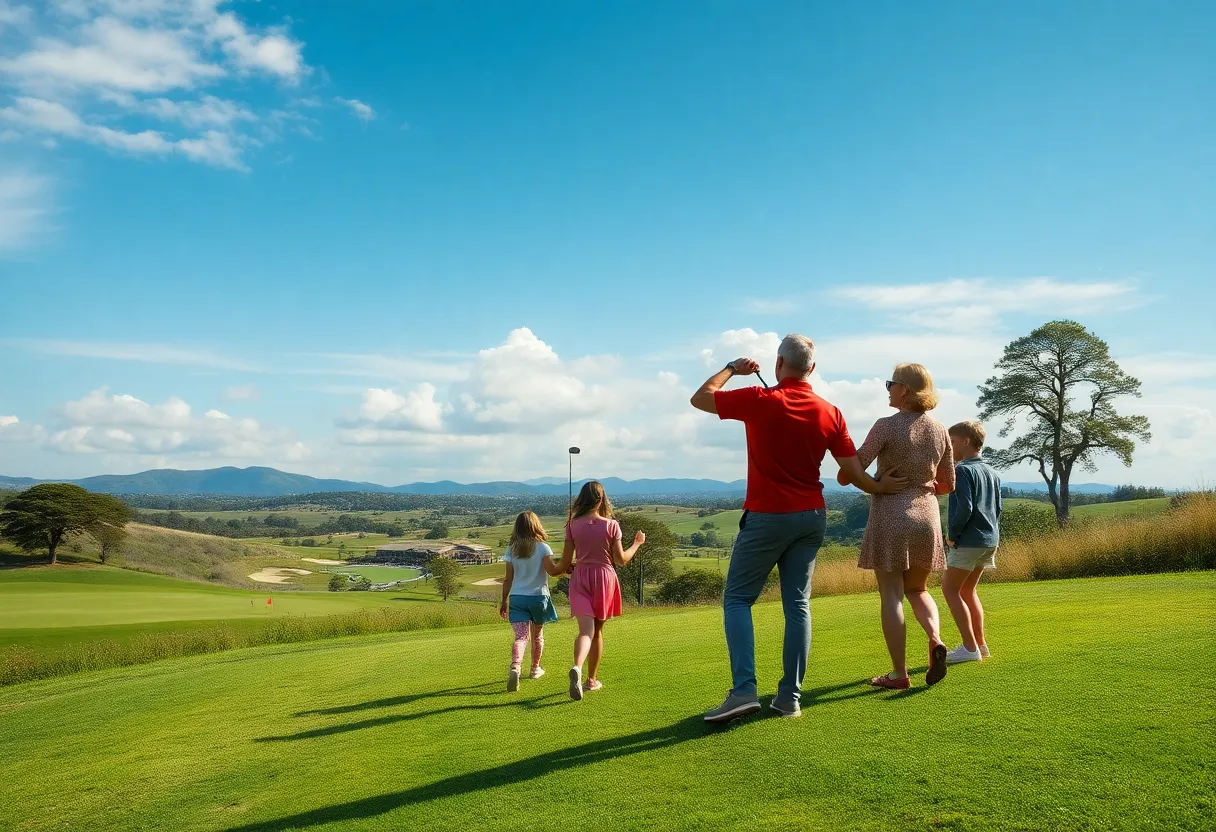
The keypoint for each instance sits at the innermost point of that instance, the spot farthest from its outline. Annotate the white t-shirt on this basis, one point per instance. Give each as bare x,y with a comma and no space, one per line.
530,575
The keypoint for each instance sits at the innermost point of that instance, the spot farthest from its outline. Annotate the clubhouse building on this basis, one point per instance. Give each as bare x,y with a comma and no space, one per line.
418,553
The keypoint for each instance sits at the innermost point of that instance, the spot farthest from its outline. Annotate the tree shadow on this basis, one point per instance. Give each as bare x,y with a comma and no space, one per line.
517,771
533,704
484,689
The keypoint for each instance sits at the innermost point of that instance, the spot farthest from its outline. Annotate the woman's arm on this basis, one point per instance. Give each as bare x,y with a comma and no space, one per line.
507,579
622,556
944,482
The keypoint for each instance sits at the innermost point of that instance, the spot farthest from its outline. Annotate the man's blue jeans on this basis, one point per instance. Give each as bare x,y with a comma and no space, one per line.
790,542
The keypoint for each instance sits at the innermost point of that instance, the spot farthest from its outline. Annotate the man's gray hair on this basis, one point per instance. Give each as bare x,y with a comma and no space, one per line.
798,352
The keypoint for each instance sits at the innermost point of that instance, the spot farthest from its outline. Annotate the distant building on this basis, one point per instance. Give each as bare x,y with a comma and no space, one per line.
419,552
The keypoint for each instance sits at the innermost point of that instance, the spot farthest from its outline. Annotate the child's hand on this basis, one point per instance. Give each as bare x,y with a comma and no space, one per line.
639,538
949,544
502,610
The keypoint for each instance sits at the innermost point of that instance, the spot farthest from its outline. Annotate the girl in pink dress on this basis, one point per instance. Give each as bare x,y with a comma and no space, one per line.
595,593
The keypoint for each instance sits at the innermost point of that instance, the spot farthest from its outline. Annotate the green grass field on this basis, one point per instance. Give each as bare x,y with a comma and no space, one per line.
1127,508
1080,722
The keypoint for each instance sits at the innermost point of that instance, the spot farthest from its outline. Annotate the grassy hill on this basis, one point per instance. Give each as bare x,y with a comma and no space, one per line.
414,731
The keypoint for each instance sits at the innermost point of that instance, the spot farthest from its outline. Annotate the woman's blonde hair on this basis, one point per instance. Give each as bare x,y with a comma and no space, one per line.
922,396
591,497
525,535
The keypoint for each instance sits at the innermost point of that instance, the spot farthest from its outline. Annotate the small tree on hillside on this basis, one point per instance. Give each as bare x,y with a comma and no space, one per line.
1062,380
447,575
437,532
48,514
652,563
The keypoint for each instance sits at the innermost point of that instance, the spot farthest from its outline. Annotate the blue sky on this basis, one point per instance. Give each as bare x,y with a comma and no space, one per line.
422,240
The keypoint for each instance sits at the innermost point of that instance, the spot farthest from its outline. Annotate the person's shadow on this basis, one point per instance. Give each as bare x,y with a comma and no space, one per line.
507,774
484,689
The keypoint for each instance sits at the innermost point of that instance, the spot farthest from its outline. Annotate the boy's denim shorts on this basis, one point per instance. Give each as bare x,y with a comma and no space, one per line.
971,557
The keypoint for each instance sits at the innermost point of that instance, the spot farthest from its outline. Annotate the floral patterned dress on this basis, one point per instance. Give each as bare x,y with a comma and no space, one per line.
905,529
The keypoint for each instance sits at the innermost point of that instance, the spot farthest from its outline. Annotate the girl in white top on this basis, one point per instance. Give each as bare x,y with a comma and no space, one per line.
525,598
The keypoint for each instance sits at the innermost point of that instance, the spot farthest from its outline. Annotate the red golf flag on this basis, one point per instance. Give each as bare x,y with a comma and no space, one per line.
269,601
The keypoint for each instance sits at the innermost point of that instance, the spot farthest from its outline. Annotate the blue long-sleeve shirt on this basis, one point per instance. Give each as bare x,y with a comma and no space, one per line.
975,505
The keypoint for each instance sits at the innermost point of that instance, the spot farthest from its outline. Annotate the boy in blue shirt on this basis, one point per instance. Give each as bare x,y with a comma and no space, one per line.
973,534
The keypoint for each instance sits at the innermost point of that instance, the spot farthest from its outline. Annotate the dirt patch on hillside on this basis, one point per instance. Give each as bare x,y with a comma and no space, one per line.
325,562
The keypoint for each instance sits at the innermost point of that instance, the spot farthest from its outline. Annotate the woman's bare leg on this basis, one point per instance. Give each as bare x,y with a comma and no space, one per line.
891,596
923,605
971,597
582,642
597,651
953,582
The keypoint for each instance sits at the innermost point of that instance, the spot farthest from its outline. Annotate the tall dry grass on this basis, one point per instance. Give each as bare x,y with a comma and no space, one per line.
24,664
1179,540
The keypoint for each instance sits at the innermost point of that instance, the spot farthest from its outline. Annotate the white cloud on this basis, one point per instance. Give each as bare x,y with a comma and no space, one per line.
770,306
25,208
362,111
13,430
146,353
977,303
131,429
243,393
417,410
743,343
99,70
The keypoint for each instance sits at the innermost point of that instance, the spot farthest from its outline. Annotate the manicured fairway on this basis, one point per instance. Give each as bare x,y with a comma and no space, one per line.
1082,721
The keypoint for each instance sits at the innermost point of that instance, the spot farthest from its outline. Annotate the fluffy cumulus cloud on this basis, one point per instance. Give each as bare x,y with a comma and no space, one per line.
147,78
129,429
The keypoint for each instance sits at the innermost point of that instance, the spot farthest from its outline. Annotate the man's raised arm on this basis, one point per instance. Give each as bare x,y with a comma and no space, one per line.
851,473
703,399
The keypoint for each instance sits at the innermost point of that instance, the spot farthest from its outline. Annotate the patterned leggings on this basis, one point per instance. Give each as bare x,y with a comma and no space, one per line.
521,640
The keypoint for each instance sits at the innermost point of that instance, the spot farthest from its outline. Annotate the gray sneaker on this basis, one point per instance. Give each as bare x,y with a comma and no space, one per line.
733,708
512,681
785,707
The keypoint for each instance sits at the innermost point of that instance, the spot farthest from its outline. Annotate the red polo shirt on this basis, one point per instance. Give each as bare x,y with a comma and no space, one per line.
789,429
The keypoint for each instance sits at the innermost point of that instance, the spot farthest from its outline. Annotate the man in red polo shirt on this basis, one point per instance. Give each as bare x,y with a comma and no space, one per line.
789,431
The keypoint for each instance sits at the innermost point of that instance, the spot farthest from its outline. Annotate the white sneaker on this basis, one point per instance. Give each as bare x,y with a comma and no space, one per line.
537,672
985,652
961,654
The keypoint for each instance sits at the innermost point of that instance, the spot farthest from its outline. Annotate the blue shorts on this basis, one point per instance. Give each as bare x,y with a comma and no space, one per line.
534,609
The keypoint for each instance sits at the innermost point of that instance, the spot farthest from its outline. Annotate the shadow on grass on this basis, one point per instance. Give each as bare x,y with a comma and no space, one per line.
860,688
536,703
516,771
485,689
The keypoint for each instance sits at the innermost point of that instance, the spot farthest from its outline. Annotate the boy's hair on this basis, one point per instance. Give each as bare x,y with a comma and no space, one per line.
591,497
919,382
973,432
528,530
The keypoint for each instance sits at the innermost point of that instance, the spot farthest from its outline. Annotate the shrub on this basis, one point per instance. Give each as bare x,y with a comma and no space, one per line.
695,586
1027,521
338,583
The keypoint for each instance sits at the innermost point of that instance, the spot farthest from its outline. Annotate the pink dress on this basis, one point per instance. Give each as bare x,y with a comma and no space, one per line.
594,589
904,529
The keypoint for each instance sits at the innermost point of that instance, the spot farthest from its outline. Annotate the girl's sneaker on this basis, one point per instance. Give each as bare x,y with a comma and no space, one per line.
961,654
537,672
594,685
576,684
512,681
985,652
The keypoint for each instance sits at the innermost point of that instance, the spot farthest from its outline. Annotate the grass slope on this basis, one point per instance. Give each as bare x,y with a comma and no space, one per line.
1081,722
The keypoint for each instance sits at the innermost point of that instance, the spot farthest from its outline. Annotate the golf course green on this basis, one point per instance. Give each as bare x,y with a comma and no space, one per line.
1095,713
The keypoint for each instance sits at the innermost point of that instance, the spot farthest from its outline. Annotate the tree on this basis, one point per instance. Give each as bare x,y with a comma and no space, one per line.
652,563
447,575
437,532
857,513
337,583
696,586
48,514
1062,380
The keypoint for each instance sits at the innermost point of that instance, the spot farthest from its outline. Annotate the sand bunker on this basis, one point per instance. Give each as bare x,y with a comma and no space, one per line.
325,562
274,575
488,582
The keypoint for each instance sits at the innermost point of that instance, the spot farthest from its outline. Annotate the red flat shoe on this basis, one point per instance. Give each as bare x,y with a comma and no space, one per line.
892,684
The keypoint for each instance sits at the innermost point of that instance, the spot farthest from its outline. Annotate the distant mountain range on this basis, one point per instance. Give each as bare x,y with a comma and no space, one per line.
270,482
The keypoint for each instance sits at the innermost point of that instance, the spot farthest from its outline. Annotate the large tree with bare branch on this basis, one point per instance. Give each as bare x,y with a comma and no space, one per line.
1060,383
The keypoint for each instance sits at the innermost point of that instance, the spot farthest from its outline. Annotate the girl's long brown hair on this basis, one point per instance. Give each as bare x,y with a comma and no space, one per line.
526,533
591,497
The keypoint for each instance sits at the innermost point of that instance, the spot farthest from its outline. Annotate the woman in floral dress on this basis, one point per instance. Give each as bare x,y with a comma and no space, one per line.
903,537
